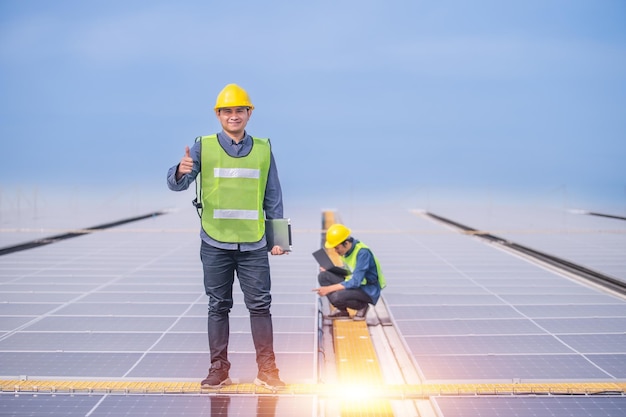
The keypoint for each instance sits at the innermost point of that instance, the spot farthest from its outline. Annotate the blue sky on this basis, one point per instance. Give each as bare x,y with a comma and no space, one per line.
407,96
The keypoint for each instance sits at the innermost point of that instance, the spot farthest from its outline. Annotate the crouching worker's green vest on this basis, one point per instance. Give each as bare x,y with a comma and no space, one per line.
232,191
351,262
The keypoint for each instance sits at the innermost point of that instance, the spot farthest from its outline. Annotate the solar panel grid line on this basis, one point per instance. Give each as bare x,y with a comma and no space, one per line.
513,339
530,309
159,339
605,284
387,297
606,237
495,407
135,304
92,291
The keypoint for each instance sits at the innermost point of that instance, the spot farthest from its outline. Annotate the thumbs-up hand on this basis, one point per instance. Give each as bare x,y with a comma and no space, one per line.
186,164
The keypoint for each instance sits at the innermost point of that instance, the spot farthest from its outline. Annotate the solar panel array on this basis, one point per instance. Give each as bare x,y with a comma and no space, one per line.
471,312
595,242
165,405
128,304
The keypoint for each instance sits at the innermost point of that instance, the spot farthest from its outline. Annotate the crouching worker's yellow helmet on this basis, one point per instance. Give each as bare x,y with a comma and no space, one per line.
336,234
233,96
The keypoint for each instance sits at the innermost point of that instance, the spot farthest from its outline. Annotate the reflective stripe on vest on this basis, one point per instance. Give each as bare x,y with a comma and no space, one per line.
235,173
233,190
351,262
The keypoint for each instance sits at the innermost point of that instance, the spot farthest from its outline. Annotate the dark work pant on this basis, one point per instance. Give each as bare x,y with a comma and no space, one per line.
253,273
354,298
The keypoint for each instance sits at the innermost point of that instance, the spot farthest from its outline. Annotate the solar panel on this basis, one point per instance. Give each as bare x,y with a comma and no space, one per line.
536,406
491,285
471,312
595,242
159,406
129,305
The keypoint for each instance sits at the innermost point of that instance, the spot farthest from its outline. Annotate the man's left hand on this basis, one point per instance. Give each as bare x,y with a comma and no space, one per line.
277,250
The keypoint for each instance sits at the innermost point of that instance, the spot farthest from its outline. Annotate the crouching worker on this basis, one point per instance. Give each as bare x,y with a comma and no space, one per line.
361,287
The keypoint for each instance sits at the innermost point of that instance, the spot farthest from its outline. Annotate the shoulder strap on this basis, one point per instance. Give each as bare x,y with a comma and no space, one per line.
197,202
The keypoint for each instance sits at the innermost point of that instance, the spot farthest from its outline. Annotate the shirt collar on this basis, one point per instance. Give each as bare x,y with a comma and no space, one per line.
354,242
224,138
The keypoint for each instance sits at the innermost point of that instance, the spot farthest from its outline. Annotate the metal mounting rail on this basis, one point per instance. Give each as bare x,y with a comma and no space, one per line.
610,216
376,391
591,275
74,233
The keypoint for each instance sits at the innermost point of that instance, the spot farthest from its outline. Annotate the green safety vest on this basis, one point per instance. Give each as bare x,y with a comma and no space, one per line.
233,190
351,262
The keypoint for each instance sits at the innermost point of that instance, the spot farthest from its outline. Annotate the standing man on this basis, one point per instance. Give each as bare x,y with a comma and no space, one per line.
357,290
239,188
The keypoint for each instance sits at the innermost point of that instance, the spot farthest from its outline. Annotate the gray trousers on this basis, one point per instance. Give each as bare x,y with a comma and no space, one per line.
253,271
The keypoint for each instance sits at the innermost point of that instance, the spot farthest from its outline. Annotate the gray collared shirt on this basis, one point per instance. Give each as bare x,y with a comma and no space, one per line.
272,203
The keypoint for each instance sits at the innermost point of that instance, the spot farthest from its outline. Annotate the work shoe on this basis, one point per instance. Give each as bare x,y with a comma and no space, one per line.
269,380
361,314
217,377
339,314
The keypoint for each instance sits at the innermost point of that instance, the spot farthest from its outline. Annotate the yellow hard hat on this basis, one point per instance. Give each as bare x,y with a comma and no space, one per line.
336,234
233,96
